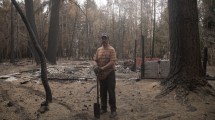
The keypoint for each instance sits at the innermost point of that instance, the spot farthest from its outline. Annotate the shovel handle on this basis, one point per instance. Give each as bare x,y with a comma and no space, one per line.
97,80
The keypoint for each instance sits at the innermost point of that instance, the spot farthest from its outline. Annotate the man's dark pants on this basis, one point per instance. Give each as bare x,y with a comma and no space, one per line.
107,87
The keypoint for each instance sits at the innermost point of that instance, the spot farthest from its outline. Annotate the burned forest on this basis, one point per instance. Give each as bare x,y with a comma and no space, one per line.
107,59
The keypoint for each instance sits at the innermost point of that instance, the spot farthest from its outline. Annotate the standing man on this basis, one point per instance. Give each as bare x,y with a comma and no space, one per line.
105,58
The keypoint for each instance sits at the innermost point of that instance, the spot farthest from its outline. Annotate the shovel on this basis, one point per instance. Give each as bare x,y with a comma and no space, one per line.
96,105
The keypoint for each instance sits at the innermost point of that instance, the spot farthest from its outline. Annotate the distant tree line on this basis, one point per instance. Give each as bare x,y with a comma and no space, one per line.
70,30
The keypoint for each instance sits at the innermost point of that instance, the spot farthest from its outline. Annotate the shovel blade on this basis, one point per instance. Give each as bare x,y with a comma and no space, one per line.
96,110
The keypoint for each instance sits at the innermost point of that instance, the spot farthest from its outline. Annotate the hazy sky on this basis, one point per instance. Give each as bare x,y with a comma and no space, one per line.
98,2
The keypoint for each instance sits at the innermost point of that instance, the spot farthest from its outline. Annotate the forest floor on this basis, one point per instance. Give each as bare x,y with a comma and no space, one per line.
21,93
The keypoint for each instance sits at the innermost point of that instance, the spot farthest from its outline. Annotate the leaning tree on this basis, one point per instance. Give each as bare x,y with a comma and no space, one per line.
186,72
40,53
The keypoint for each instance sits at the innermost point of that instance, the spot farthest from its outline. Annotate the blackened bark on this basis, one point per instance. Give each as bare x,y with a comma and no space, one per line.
53,32
153,39
142,44
205,60
12,43
186,72
40,53
29,8
184,38
73,34
209,16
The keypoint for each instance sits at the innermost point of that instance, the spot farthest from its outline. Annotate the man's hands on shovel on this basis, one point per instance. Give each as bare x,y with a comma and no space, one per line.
97,69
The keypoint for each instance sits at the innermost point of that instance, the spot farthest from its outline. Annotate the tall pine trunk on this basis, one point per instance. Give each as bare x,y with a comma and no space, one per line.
53,32
185,57
153,33
12,42
29,8
71,49
186,72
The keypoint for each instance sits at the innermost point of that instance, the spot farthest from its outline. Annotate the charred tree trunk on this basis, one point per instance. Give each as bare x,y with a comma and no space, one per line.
12,42
29,8
153,37
208,28
53,32
142,44
71,49
40,53
186,72
205,60
18,51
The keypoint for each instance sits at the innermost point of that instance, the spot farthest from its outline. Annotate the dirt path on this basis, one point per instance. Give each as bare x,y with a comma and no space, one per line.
135,101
